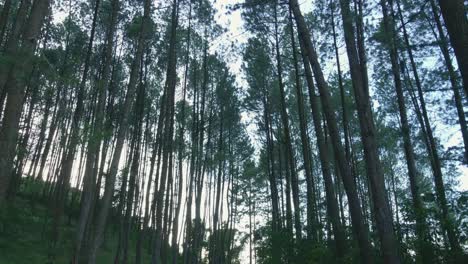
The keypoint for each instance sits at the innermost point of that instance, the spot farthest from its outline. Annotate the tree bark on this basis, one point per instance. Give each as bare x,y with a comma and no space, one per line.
453,12
180,157
313,225
95,139
383,216
359,228
446,221
443,44
101,220
168,131
332,204
16,87
424,251
63,179
4,19
291,164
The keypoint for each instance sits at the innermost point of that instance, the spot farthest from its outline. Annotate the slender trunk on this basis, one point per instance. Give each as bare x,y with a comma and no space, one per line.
175,247
287,136
344,110
443,44
69,156
134,169
312,222
453,12
446,221
194,153
16,88
383,217
424,251
94,140
4,19
359,228
332,204
215,247
12,46
168,131
101,219
272,180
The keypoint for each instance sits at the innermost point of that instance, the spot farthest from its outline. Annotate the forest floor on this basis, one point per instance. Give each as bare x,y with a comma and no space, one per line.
25,231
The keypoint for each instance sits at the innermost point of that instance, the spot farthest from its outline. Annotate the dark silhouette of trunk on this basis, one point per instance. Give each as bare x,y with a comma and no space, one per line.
101,219
157,148
345,121
360,230
180,157
193,159
122,198
424,251
95,139
446,221
15,88
312,218
443,44
202,159
383,216
291,166
169,93
133,170
272,179
63,179
57,121
453,12
49,96
13,44
4,20
22,148
250,228
215,250
283,170
331,201
345,116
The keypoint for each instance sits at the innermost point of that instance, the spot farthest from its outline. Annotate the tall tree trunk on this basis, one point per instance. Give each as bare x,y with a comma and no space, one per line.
69,156
101,219
332,204
312,222
453,12
168,130
446,221
16,87
359,228
94,140
193,158
443,44
4,19
180,157
344,110
215,247
140,107
291,165
22,148
272,179
383,216
424,251
13,44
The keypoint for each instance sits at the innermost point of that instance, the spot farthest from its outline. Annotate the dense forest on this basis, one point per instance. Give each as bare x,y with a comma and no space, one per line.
246,131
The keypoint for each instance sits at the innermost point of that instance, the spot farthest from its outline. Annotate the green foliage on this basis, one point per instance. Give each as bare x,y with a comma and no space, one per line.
26,223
